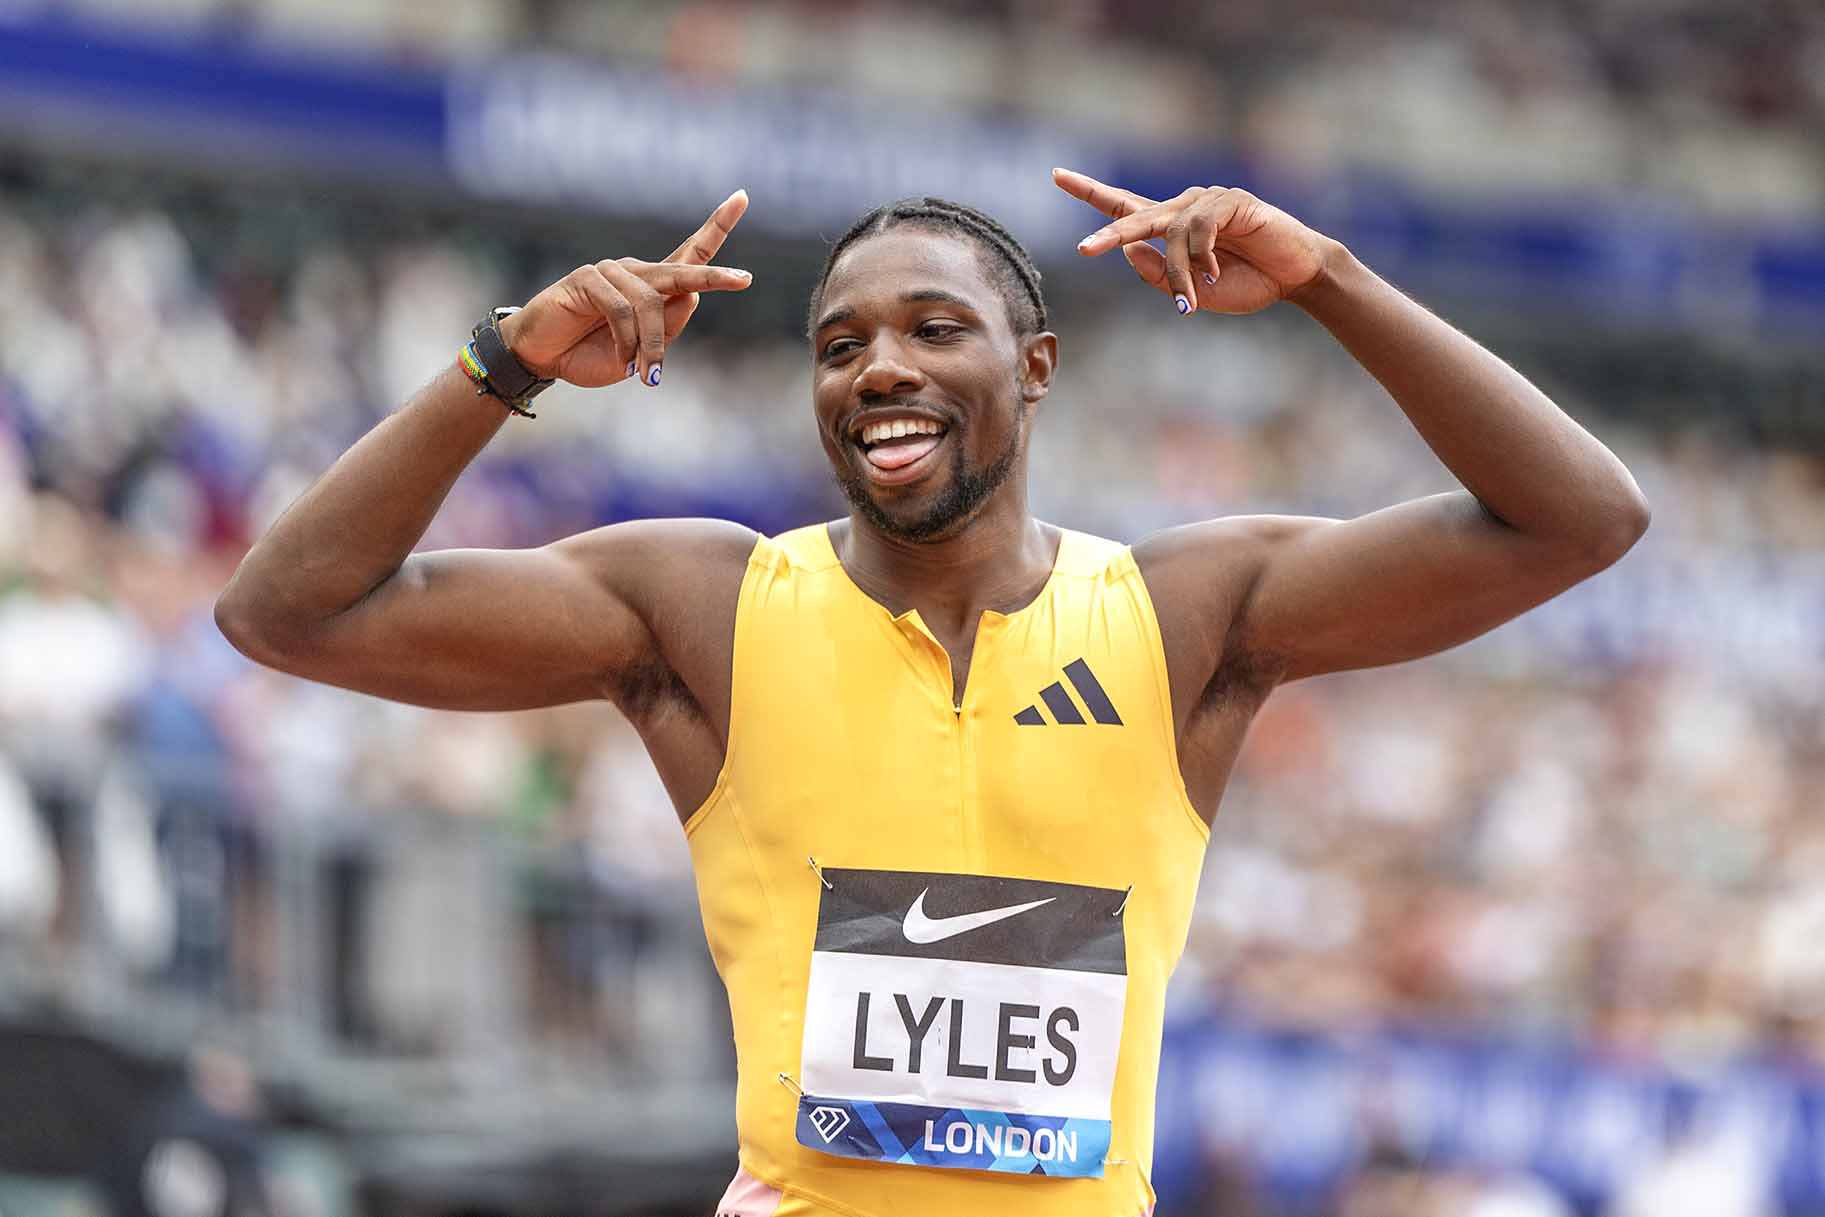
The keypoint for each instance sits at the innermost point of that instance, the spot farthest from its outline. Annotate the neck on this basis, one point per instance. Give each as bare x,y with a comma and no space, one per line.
999,561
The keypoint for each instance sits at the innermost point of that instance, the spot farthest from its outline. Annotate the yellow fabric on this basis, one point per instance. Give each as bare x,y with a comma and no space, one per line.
844,745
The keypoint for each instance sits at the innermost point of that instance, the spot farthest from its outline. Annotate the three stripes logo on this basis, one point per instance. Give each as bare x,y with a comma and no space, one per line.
1064,710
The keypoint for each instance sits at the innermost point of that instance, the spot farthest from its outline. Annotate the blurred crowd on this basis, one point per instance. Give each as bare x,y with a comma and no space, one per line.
1600,822
1542,830
1684,102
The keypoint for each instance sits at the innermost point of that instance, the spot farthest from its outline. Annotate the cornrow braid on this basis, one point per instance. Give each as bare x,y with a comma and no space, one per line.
1015,273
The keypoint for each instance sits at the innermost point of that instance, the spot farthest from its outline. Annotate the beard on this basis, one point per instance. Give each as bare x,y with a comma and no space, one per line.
955,505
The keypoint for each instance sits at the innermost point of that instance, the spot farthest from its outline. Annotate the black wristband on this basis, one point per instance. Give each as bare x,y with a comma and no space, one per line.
503,375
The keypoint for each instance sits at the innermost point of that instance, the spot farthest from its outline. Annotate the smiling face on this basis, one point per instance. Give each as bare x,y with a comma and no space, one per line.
922,388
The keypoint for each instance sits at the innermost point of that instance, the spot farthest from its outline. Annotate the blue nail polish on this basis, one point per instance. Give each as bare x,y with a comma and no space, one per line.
652,375
1183,303
631,365
1209,278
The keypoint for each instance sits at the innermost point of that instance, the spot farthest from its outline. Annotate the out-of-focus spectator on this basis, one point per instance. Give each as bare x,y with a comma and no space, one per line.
1714,106
1594,824
1703,1173
1503,836
199,1149
28,867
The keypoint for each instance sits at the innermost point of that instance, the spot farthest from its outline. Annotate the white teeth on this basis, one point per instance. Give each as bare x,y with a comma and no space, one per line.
874,433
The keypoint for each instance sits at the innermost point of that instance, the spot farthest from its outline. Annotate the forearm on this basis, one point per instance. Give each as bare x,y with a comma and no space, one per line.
356,524
1526,461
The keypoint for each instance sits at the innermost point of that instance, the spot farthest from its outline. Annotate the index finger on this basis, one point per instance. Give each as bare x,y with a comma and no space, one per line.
1143,225
1112,201
683,278
702,245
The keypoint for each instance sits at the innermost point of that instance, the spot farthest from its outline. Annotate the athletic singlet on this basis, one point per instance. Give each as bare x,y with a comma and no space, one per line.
946,934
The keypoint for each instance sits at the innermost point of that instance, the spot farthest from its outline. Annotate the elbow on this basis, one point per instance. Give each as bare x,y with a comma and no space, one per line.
250,628
1622,526
237,621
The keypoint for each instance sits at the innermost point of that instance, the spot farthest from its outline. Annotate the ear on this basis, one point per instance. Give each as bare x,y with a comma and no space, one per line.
1038,363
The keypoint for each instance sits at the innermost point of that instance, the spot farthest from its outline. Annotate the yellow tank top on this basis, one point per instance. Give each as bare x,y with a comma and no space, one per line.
946,934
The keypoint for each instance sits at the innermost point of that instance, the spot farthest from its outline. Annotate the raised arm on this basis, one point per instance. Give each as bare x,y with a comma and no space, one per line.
1544,504
333,593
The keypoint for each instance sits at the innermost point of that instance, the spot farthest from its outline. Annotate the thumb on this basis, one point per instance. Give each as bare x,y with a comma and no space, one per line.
678,311
1149,263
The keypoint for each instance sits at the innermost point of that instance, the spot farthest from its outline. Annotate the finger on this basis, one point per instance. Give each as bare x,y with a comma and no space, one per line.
701,246
617,311
1207,266
1200,234
678,310
595,361
1178,265
682,278
1143,225
1110,200
649,313
1148,263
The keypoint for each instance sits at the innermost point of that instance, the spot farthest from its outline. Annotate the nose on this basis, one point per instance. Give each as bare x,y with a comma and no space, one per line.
887,372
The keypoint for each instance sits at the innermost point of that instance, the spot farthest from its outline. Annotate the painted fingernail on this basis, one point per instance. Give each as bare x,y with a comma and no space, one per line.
1209,278
1183,303
652,375
631,365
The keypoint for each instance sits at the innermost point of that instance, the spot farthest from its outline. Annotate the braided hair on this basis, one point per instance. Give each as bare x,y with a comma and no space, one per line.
1010,264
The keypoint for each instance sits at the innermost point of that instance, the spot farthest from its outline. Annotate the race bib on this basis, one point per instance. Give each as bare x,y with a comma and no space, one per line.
963,1021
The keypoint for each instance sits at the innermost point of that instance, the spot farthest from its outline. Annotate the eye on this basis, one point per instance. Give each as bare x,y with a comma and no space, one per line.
838,347
939,331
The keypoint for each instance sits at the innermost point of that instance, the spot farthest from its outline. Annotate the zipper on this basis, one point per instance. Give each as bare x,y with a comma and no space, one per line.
986,625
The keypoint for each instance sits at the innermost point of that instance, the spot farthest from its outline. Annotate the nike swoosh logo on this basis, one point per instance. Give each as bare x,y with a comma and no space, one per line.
923,930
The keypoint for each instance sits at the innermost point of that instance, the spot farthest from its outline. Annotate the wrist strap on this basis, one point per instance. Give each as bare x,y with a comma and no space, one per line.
490,364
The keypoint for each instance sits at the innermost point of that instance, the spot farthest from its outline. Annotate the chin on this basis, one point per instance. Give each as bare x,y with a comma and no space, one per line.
937,506
925,513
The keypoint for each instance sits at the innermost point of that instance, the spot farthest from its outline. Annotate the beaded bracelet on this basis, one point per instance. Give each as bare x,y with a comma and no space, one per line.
473,369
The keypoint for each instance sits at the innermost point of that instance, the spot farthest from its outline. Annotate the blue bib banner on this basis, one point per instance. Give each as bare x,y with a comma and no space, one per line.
949,1136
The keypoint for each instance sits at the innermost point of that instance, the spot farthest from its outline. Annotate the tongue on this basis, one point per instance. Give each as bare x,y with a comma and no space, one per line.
895,454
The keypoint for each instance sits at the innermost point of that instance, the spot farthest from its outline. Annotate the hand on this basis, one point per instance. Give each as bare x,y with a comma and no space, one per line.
1226,250
607,321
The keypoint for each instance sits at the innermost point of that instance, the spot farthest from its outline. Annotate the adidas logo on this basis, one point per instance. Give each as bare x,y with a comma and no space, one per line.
1064,710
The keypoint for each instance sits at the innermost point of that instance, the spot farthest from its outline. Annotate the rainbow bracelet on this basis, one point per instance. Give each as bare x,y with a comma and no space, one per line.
473,369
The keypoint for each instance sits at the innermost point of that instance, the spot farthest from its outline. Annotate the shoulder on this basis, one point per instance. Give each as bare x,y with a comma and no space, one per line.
1215,563
663,543
682,579
1228,540
1089,556
810,548
1200,578
660,568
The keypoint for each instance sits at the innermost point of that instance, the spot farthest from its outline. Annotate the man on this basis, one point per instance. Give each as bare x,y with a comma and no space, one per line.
946,770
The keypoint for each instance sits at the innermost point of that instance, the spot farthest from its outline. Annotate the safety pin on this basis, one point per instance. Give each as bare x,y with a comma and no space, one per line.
1124,903
819,872
1115,1162
786,1080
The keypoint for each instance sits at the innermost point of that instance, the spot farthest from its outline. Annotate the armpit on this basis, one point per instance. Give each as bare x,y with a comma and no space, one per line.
650,689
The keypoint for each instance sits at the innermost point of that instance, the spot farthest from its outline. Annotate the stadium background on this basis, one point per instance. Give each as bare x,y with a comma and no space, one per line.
1530,929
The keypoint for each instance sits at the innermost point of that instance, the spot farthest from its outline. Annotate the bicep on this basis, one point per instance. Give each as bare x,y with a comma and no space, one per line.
471,629
1397,584
475,629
